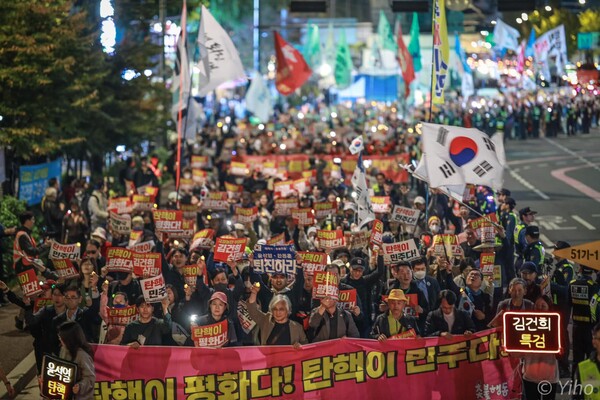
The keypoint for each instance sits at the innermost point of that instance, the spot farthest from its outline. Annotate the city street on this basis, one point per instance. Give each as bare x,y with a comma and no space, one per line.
559,178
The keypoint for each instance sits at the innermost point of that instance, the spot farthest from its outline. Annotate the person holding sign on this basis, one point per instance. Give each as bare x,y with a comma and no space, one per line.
329,322
275,327
394,323
75,348
147,330
218,312
447,321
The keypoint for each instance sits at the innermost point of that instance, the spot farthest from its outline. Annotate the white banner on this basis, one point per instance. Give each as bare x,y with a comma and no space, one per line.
154,289
393,253
405,215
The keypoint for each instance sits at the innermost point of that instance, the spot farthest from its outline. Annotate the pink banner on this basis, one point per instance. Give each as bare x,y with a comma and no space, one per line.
434,368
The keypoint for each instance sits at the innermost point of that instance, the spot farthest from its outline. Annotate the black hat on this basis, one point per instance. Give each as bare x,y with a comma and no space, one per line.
510,201
561,245
504,191
342,252
526,211
357,263
529,266
532,230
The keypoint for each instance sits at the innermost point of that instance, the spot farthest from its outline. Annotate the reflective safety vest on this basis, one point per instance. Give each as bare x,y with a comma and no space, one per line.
582,292
590,379
19,254
518,230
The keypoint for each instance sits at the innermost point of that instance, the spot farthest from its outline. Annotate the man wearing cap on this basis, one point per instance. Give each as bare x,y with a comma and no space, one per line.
581,295
503,194
363,283
447,320
529,273
534,251
527,216
509,219
394,321
240,231
421,225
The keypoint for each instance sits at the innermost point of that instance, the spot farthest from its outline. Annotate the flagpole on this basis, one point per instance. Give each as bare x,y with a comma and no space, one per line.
180,111
181,133
432,64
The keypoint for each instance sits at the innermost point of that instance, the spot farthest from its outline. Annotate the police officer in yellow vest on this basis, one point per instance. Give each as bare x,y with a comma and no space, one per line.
588,371
527,216
582,291
534,251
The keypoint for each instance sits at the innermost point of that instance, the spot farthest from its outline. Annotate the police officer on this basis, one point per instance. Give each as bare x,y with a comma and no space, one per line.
581,293
534,251
588,371
508,218
559,285
527,216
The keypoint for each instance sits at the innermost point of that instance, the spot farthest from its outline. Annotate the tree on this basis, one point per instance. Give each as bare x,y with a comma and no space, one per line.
49,73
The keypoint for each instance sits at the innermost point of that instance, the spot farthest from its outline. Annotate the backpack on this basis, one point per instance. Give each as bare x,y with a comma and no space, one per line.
85,205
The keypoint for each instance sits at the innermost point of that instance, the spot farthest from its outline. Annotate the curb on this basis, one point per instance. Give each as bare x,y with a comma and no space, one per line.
20,376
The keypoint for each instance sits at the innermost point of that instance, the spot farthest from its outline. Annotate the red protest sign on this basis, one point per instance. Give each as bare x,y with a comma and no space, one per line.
486,263
168,220
144,247
277,240
380,204
29,283
301,185
65,269
532,332
282,189
313,261
358,240
330,240
189,211
121,315
41,302
118,259
303,216
214,335
229,249
245,215
186,232
203,239
409,334
216,201
347,299
200,162
325,285
237,168
146,264
377,233
120,205
284,207
190,274
199,176
142,202
324,209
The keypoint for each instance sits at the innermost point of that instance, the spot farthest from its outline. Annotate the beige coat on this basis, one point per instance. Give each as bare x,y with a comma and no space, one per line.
265,324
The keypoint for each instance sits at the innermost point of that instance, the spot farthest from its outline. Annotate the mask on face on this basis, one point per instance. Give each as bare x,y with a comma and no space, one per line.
220,287
419,274
435,228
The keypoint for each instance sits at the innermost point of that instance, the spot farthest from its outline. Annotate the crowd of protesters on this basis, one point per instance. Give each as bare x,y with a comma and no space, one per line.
433,295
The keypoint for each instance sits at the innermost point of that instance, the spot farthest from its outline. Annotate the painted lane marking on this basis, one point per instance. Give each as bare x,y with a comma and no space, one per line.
583,222
528,185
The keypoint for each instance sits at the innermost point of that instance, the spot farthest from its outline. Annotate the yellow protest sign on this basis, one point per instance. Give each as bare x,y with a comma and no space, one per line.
587,254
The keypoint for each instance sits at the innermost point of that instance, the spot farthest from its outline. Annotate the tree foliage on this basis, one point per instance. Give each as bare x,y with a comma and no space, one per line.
62,94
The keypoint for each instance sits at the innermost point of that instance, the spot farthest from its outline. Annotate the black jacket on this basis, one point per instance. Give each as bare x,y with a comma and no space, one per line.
382,325
436,324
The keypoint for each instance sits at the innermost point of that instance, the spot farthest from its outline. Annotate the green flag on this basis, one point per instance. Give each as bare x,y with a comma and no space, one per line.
386,35
414,48
343,63
312,48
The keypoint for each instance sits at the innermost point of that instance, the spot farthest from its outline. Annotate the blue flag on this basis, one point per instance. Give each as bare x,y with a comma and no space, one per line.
530,42
461,54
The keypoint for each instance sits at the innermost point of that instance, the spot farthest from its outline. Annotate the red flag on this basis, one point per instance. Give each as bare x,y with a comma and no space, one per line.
405,60
292,70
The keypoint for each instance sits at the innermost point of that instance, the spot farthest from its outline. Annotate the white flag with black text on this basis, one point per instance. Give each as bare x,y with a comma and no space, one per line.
220,61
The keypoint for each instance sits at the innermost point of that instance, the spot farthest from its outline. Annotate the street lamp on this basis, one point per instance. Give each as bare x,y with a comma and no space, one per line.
548,8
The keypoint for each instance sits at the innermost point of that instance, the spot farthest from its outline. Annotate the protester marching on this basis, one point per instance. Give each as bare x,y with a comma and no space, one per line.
312,251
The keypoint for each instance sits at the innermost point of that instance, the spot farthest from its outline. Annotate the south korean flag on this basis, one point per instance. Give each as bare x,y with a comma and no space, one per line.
357,145
456,156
